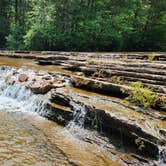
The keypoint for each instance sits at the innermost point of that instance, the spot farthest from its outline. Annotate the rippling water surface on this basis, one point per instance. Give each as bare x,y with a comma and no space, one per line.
28,139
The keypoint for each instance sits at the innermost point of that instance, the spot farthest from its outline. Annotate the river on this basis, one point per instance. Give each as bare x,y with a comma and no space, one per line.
29,139
26,138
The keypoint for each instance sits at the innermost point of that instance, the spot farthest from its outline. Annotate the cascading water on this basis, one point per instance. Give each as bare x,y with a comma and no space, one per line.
20,95
76,126
27,139
18,98
162,156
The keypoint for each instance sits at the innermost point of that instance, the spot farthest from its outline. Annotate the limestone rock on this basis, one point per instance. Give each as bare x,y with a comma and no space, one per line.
41,87
60,99
23,78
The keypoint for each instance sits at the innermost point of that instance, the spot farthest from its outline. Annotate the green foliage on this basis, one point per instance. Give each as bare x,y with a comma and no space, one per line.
4,22
15,38
116,79
140,144
98,25
60,118
142,96
151,56
40,37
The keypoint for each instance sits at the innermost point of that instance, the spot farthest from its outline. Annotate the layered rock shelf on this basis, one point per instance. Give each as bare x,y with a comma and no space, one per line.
106,73
97,84
134,127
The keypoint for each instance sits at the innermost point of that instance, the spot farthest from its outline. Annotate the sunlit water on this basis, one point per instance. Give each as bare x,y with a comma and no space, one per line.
28,139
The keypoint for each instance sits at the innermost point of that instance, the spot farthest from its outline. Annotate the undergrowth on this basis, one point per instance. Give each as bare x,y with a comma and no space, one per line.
142,96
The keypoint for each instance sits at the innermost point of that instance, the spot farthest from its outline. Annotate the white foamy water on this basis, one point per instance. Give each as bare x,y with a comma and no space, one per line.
18,98
29,140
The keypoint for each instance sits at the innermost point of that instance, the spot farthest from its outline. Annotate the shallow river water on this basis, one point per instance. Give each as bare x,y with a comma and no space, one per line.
29,139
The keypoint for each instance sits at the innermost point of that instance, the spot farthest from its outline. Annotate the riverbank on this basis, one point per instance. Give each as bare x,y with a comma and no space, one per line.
141,132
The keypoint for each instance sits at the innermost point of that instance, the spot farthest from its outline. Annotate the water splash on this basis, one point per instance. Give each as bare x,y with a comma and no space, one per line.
76,128
23,97
162,156
76,125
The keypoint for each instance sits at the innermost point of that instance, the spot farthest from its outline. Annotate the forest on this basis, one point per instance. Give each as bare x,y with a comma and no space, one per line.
83,25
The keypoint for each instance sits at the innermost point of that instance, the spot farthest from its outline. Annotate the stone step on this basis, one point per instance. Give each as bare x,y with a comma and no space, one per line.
115,121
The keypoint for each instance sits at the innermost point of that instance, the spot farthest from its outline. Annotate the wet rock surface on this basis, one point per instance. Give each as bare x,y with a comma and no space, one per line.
112,123
99,86
22,78
38,82
112,117
147,67
141,132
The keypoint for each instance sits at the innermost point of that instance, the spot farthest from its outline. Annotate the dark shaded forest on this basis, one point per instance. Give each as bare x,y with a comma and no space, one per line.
83,25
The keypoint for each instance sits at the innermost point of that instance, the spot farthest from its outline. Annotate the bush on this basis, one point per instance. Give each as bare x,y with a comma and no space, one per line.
41,37
15,38
142,96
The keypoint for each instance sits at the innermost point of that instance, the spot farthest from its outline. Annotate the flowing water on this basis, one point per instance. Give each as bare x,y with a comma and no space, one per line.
28,139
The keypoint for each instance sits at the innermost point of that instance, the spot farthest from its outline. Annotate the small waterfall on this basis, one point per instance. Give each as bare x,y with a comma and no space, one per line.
162,156
76,130
76,126
20,94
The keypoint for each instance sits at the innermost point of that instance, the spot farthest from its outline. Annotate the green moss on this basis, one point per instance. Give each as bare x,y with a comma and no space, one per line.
140,144
60,118
152,56
116,79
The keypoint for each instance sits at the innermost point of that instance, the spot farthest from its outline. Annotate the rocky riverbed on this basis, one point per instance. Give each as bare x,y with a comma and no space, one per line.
137,133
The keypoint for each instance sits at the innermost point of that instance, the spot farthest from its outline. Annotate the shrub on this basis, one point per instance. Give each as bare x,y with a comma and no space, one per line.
151,57
15,38
116,79
41,37
142,96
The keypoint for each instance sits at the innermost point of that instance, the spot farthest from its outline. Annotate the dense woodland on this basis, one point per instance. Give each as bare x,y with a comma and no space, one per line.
83,25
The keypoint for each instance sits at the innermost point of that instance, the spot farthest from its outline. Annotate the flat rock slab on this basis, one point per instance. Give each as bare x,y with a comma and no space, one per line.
99,86
114,119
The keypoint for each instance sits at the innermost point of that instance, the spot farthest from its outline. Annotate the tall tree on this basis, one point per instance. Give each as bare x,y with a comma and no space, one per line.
4,21
83,25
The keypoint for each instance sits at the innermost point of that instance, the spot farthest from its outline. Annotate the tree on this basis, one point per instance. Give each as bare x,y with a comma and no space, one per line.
84,25
4,21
